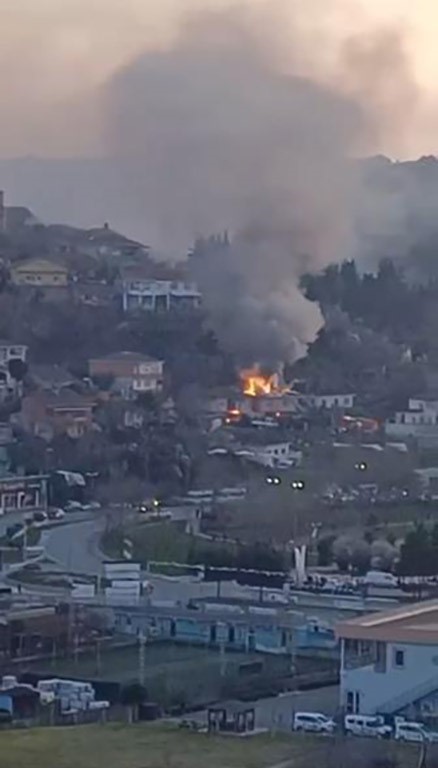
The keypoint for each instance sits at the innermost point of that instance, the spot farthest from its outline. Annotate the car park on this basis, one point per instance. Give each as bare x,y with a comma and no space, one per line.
367,725
313,722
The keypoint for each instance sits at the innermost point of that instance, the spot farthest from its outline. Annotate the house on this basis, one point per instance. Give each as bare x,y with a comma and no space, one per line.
412,423
39,273
10,351
140,293
133,372
428,479
389,661
29,492
268,449
104,241
275,404
332,401
46,414
425,404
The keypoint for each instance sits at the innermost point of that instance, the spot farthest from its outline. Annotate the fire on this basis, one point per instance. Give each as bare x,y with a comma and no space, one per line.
256,384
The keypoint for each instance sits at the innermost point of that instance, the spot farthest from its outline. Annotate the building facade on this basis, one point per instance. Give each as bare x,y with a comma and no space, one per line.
48,414
10,351
159,295
39,273
23,493
332,401
389,662
133,373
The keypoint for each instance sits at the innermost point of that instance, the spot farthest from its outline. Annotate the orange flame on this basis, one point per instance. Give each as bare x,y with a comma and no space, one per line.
256,384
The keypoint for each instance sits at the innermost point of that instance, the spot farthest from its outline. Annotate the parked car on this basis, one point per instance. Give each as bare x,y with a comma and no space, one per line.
73,505
380,579
410,731
313,722
56,513
367,725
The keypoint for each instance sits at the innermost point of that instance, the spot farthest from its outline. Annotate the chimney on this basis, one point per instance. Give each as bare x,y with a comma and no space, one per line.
2,212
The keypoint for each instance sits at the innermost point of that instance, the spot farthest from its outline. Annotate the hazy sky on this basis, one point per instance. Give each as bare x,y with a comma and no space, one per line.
54,55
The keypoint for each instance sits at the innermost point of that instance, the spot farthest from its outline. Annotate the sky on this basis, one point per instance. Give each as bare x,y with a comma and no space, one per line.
55,56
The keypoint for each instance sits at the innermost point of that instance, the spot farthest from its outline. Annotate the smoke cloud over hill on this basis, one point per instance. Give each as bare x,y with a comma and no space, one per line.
217,134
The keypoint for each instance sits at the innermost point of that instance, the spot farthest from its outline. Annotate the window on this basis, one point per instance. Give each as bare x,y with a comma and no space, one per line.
399,658
380,664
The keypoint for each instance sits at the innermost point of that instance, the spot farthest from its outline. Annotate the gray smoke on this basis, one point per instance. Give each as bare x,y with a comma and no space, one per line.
214,135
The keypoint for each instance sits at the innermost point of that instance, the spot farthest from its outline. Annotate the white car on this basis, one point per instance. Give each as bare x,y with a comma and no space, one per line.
367,725
56,513
313,722
73,505
409,731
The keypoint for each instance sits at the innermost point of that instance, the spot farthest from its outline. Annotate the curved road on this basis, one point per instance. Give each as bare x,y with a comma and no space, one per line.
74,546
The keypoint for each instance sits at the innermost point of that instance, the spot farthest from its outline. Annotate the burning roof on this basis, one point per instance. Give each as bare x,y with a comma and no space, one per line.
256,383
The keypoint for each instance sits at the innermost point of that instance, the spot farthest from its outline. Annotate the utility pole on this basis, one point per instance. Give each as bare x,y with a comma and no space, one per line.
142,658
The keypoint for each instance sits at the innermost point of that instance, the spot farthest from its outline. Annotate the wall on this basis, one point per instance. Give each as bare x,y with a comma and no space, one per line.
125,367
40,279
378,688
234,635
410,430
418,404
332,401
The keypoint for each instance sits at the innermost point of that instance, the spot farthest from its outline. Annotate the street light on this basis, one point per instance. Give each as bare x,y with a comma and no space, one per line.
297,485
361,466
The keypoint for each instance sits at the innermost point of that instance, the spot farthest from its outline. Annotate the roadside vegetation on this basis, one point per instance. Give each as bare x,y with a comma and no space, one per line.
157,746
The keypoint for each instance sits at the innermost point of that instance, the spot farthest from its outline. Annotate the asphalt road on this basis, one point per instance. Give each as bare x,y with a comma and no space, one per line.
75,548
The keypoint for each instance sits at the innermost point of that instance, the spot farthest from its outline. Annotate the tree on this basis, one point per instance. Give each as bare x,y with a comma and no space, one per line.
325,550
383,555
17,368
351,552
418,553
132,696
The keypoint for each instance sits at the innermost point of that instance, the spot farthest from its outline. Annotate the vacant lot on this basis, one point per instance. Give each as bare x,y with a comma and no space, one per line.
166,542
157,746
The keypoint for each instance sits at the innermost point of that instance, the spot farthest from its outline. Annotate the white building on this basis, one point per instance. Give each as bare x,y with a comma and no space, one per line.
412,423
423,404
159,295
332,401
389,661
10,351
269,451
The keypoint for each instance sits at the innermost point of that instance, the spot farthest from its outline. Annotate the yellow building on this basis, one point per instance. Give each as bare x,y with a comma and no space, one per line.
39,272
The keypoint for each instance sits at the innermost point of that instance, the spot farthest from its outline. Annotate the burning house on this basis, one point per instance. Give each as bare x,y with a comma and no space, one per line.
265,394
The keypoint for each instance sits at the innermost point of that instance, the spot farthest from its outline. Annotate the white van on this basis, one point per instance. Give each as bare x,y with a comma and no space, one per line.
313,722
408,731
367,725
380,579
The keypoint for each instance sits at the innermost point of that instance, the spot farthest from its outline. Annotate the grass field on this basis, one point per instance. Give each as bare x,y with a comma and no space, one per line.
158,746
165,542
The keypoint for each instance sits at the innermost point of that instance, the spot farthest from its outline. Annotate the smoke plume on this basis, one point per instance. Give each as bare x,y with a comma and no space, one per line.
216,134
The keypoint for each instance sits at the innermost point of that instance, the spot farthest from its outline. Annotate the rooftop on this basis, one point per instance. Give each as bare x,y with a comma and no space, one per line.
39,265
131,356
50,375
416,623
